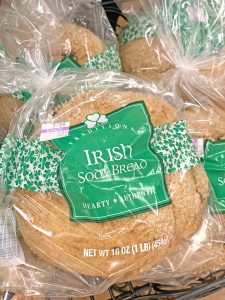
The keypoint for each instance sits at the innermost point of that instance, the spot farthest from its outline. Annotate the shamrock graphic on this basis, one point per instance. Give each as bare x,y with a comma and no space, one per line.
94,119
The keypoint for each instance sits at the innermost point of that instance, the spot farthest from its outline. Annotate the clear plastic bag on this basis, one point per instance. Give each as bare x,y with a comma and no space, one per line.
91,195
44,35
24,41
14,80
195,258
203,253
35,277
78,31
174,37
182,43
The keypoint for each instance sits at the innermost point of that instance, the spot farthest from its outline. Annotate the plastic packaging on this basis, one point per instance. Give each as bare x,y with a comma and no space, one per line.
204,252
129,7
35,277
174,39
46,34
181,44
91,195
15,78
212,137
88,36
78,31
195,258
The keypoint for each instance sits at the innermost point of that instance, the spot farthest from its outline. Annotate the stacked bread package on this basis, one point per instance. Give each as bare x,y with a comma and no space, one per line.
103,171
183,46
57,34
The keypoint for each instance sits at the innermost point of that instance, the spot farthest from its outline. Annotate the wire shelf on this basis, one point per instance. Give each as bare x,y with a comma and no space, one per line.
156,291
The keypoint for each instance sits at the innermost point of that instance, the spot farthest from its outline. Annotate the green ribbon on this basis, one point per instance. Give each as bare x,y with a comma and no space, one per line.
137,28
33,165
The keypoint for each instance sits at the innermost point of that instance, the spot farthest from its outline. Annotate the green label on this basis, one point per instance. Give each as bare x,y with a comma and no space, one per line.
68,63
109,170
215,169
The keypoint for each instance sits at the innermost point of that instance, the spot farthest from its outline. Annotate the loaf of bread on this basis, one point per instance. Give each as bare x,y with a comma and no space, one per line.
44,218
62,39
174,36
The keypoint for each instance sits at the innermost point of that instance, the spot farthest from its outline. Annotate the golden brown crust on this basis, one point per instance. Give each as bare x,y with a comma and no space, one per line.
80,43
8,106
105,101
66,252
145,59
206,123
194,180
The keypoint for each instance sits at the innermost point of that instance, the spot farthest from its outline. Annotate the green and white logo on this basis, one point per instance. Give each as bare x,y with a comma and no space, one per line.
94,119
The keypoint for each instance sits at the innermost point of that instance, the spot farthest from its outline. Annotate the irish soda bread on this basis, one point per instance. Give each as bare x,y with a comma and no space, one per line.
44,218
174,36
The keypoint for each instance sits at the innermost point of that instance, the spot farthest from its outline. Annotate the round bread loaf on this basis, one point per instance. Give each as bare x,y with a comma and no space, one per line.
208,124
44,218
